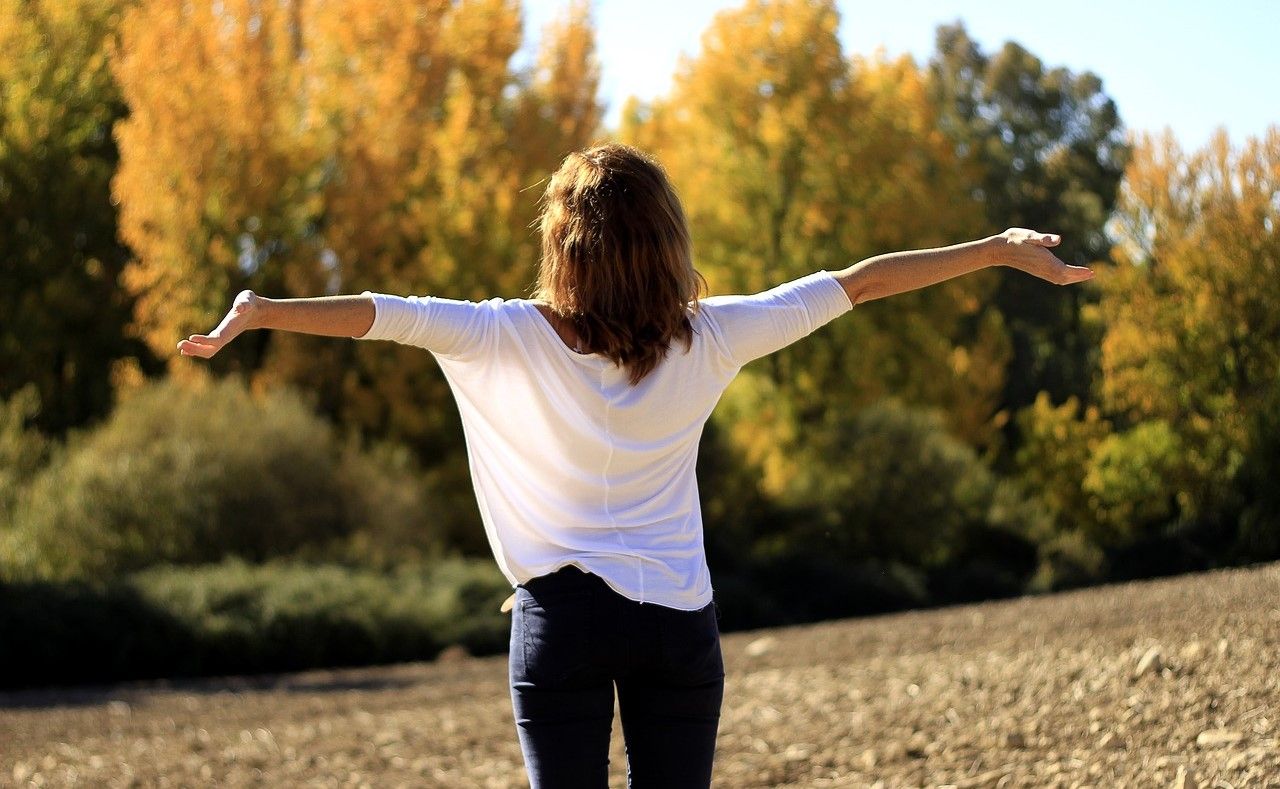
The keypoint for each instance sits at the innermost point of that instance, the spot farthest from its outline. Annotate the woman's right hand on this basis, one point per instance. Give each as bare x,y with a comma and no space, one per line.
1028,251
245,313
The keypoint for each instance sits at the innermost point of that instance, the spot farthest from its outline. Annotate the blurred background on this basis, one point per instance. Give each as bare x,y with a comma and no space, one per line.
303,502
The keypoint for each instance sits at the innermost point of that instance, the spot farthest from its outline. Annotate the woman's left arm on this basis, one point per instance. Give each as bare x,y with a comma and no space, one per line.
898,272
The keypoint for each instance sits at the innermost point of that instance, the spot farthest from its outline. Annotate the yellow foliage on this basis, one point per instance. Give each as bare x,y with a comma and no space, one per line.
303,148
1193,305
791,157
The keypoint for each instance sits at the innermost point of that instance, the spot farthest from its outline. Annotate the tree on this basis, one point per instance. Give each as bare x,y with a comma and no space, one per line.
790,158
62,314
1193,306
1049,151
318,147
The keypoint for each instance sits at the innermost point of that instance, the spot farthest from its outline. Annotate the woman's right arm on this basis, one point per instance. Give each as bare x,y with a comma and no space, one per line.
329,316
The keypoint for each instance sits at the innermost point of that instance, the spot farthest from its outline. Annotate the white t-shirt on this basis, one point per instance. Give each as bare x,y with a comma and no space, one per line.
572,465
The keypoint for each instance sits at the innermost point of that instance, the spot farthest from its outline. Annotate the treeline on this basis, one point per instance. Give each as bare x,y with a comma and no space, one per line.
989,436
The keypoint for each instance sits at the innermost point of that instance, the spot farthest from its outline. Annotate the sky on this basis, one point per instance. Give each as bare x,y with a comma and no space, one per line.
1189,65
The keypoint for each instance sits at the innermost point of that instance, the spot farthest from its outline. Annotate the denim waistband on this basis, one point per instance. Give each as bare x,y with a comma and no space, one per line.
567,577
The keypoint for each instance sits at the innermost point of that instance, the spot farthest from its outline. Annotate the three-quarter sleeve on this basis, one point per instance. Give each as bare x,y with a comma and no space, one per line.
448,327
749,327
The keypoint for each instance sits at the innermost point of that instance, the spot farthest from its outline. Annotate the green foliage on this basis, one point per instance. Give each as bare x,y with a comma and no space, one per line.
1118,499
1133,480
1256,484
237,618
1068,560
889,482
23,449
1050,153
188,475
1058,443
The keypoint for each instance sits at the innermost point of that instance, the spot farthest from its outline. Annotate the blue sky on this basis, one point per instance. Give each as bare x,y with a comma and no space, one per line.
1187,65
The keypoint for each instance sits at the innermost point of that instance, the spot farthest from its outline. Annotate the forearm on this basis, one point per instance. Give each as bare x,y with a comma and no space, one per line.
898,272
329,316
1017,247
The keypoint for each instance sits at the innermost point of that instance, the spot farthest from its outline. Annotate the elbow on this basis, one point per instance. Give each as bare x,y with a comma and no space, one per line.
857,286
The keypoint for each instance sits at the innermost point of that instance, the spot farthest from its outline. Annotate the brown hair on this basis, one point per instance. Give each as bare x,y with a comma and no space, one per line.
617,262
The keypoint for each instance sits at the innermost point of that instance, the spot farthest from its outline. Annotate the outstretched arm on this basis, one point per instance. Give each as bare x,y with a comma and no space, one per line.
330,316
898,272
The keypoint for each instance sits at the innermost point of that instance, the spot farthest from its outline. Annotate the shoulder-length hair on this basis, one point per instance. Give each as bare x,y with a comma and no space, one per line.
617,261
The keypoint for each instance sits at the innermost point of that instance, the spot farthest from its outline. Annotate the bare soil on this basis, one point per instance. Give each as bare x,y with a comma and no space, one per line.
1173,682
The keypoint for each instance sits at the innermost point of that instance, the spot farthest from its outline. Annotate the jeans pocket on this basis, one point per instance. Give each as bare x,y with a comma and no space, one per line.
555,635
691,646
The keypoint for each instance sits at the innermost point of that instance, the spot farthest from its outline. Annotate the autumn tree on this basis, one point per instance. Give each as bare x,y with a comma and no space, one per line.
790,158
1193,305
1048,147
308,148
62,314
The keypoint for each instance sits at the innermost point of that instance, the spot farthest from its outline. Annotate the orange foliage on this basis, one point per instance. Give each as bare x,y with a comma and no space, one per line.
334,146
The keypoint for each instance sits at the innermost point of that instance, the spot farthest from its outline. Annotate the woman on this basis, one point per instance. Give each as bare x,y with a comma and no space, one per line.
582,410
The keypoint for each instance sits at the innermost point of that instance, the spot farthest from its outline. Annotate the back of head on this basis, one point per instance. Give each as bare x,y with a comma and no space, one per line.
616,256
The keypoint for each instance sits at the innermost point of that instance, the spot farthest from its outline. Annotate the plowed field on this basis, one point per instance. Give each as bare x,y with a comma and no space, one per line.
1166,683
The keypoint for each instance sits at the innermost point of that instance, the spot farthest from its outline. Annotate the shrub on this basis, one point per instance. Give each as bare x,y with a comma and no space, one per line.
1133,482
23,449
889,483
238,618
193,474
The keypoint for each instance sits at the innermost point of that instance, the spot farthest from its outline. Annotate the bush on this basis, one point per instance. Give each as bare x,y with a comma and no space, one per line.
23,449
1133,482
193,474
889,483
1255,485
235,618
1068,560
879,510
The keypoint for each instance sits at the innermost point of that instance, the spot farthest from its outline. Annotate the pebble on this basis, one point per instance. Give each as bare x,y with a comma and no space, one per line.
1214,738
760,646
1184,779
1150,663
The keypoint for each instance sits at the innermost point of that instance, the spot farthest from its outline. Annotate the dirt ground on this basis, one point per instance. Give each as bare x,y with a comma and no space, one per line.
1167,683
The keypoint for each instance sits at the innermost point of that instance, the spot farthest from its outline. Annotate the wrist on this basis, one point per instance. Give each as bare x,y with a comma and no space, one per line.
992,248
261,311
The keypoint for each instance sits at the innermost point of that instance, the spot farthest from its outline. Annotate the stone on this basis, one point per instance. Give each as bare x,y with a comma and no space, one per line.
1216,738
1184,779
760,646
1149,663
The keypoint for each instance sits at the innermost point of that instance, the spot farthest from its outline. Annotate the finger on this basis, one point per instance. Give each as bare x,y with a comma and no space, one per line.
1078,274
1047,239
202,350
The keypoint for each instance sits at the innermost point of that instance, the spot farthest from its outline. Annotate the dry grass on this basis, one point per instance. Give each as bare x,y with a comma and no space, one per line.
1036,692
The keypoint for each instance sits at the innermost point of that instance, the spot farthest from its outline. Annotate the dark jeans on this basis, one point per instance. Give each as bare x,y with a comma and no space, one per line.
573,639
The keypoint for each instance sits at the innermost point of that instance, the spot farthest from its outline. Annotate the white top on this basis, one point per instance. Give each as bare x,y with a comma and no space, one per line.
571,464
